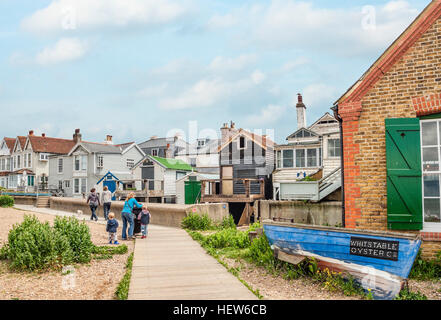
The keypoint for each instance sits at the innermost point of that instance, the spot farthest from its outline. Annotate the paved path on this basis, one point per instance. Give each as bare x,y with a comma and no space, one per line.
169,265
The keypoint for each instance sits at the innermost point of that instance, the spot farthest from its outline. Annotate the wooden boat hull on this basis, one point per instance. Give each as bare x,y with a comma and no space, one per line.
379,261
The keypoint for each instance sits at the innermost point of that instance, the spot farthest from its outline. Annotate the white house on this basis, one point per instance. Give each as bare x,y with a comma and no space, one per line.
310,151
164,174
77,172
6,147
203,155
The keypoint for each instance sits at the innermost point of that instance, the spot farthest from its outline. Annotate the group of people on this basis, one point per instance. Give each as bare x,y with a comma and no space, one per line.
127,215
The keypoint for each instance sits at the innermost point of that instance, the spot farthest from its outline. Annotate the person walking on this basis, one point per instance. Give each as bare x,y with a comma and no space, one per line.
94,201
127,216
106,199
144,217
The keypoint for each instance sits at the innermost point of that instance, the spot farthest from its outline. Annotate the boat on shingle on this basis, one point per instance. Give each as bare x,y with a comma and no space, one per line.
378,261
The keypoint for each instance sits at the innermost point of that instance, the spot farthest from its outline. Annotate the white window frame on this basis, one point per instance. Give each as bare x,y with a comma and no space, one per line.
29,160
153,151
79,163
333,148
74,186
44,156
82,185
58,165
430,226
67,183
100,161
279,159
130,163
83,164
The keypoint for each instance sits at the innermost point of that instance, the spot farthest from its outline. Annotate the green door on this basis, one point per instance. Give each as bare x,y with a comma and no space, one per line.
404,174
192,192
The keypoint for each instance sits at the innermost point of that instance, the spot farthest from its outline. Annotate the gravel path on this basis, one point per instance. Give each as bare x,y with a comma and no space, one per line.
97,280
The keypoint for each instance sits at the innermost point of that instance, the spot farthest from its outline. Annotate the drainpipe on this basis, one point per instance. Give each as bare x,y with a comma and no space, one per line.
340,121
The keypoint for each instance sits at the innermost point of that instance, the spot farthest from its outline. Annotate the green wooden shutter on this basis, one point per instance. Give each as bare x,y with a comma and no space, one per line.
404,184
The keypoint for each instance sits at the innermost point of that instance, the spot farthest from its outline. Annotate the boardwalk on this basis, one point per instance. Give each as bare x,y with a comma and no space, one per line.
169,265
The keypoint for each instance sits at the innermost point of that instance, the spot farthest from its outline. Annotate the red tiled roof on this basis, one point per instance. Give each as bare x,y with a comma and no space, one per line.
10,143
4,174
22,141
28,172
51,145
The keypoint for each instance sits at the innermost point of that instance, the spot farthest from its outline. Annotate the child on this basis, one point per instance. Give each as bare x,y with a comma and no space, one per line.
112,226
144,216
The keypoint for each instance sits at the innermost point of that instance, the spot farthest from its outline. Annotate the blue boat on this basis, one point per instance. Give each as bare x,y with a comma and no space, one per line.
379,261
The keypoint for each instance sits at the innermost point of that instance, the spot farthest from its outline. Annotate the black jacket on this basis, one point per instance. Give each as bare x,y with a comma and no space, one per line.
145,218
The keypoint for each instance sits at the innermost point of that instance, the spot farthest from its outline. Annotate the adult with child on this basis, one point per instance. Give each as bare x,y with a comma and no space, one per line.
127,216
106,199
94,201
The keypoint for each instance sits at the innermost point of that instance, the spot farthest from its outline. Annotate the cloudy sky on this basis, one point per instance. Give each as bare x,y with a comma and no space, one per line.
137,68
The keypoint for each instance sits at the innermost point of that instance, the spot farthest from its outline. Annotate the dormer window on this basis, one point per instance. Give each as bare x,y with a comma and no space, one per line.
44,156
201,143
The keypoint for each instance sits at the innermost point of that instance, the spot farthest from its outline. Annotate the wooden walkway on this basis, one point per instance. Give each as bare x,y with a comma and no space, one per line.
169,265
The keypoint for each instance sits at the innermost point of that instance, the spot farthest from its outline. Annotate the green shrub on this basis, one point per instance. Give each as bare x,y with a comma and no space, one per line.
6,201
196,222
78,235
228,238
406,294
426,270
227,223
33,245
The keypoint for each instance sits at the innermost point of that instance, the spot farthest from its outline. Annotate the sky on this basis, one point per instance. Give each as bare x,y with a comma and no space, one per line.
140,68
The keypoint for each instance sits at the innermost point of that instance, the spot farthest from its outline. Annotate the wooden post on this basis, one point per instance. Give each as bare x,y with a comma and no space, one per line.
247,187
262,188
202,190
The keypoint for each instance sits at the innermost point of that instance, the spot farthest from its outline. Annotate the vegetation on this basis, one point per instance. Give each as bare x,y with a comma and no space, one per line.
6,201
122,291
426,270
36,246
203,222
405,294
232,243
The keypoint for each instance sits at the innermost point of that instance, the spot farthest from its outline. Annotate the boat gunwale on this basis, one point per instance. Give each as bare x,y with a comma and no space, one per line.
385,234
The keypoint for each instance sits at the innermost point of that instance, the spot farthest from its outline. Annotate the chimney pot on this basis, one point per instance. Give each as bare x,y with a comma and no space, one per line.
31,132
43,135
300,98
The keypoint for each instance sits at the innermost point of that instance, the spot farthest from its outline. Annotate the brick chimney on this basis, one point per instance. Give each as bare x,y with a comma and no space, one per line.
31,132
301,112
227,132
77,136
109,139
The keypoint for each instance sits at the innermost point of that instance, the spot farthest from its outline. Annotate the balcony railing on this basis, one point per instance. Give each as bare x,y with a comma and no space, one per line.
232,190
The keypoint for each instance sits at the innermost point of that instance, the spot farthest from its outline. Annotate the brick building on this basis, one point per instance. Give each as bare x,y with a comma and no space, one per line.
391,128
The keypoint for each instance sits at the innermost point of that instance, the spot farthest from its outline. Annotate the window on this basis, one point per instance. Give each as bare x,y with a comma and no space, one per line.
130,163
242,143
77,163
201,143
311,158
14,163
279,159
334,149
2,165
83,185
60,165
44,157
29,160
155,152
31,181
76,186
67,183
60,184
100,163
300,158
288,158
84,163
430,141
180,174
18,162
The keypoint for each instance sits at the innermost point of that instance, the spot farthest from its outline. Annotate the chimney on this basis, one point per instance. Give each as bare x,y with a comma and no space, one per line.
43,135
31,132
301,112
227,132
109,139
77,136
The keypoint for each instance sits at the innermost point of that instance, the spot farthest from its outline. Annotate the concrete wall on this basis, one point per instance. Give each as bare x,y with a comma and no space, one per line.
162,214
27,200
323,213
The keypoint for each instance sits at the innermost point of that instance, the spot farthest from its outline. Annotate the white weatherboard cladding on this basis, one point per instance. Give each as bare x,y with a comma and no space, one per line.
170,182
159,172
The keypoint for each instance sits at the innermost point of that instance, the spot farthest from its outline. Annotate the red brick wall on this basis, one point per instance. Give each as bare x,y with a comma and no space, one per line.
410,88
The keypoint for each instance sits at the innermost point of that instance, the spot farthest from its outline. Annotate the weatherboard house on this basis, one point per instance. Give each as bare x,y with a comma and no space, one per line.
391,127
